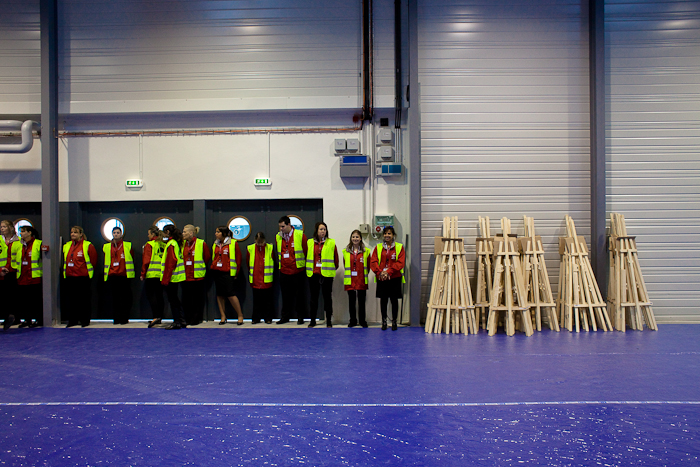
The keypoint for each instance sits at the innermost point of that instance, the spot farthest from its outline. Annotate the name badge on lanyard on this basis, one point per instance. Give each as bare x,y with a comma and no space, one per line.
115,264
286,255
353,273
219,264
70,265
188,263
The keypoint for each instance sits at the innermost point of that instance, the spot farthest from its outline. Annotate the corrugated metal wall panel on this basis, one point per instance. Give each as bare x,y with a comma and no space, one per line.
653,153
20,58
505,119
126,56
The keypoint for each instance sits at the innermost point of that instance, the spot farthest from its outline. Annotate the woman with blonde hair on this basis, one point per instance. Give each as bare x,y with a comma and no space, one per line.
196,255
9,245
356,262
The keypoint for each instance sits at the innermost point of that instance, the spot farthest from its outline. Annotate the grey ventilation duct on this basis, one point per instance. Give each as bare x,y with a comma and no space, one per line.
27,138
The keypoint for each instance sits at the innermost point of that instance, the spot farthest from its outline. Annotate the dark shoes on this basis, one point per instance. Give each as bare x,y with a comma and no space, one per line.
329,324
300,321
282,321
312,323
222,322
268,321
352,324
25,324
176,326
364,324
154,322
394,327
9,321
383,325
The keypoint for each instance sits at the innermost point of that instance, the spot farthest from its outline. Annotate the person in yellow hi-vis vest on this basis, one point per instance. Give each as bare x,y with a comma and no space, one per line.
118,272
196,255
29,276
79,262
356,262
261,274
9,244
151,270
321,264
387,263
173,274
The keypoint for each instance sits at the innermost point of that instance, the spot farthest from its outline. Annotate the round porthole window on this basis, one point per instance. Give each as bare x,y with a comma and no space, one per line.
296,222
239,227
161,222
108,225
19,223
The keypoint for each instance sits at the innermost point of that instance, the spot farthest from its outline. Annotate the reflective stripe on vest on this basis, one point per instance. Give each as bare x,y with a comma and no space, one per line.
86,245
35,263
4,253
231,255
15,260
327,258
348,267
179,271
268,264
298,248
107,249
155,266
399,247
200,267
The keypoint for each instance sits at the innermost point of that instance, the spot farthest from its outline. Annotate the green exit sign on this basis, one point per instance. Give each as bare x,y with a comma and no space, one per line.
134,183
262,182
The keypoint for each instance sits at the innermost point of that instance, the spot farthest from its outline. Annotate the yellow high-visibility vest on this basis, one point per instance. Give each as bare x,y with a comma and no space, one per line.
36,268
107,249
86,245
298,237
399,247
179,272
155,266
327,258
268,265
348,267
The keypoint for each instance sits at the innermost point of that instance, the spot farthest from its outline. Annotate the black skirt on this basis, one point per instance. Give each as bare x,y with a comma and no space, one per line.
390,288
224,282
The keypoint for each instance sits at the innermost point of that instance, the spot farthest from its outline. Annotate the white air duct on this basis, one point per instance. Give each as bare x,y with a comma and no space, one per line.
27,138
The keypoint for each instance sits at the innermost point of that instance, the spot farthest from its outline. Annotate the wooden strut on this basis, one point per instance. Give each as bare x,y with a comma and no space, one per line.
508,294
539,289
628,298
484,275
450,307
578,290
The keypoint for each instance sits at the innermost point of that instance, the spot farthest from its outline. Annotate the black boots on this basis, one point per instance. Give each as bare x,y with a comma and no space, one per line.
383,324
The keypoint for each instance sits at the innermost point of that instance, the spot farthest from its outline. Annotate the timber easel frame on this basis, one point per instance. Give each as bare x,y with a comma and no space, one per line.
509,294
450,307
539,289
628,298
484,275
578,289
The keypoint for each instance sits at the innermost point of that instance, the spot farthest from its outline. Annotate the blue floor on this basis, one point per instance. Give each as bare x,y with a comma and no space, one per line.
348,397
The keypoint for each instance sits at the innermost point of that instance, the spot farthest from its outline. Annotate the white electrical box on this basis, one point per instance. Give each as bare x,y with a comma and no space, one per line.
386,153
340,145
386,136
353,145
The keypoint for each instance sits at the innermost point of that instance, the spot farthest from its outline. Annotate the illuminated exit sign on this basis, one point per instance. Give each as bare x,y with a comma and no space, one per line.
262,182
135,183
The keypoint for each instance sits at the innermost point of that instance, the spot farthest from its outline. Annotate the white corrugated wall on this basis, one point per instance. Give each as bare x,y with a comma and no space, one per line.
653,153
20,58
505,119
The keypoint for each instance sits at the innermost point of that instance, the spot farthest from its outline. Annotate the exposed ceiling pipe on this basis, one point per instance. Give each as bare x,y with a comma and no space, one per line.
27,137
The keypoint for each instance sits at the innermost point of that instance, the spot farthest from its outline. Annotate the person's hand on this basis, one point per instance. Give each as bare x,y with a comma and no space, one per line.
141,277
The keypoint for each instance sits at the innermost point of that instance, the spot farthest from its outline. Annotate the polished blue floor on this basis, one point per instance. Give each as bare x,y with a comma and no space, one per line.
243,396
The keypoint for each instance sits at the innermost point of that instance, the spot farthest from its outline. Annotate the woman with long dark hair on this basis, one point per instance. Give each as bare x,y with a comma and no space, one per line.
174,274
321,264
225,268
387,263
151,271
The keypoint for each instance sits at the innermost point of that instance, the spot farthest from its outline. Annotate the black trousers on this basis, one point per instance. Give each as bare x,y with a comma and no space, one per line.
325,285
32,301
8,292
120,287
78,300
174,301
154,294
262,304
193,298
361,296
292,288
384,301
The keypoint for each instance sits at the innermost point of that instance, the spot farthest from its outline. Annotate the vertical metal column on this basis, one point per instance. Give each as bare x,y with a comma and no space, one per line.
596,23
414,163
49,159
